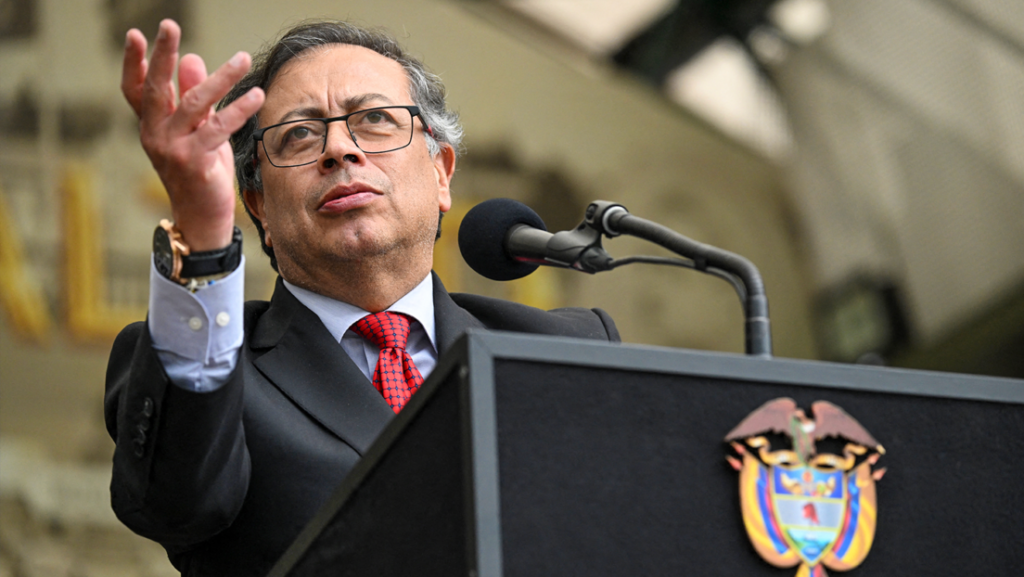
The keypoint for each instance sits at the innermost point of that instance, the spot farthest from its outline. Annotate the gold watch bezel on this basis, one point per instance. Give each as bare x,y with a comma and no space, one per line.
178,249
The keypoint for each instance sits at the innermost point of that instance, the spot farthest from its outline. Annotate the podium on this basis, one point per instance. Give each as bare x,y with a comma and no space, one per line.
525,456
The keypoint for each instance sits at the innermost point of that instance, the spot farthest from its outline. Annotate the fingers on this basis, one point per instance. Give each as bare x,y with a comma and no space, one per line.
133,69
149,89
197,102
191,71
225,122
158,94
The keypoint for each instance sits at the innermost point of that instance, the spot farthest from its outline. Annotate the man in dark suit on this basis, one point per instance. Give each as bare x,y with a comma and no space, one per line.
233,425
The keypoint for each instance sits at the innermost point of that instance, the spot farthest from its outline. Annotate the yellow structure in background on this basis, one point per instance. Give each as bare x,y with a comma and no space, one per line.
89,316
21,298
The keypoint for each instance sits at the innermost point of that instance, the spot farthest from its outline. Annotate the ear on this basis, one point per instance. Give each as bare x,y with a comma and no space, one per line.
254,203
444,167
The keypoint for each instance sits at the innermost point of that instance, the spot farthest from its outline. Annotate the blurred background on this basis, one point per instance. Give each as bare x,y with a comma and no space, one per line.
868,156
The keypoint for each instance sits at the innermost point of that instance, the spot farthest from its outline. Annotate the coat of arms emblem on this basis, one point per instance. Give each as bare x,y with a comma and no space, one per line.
807,486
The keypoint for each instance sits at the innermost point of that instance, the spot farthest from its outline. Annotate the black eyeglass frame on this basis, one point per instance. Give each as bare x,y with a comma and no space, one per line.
414,111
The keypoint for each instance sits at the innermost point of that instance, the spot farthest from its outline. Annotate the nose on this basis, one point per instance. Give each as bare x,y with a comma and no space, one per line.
339,148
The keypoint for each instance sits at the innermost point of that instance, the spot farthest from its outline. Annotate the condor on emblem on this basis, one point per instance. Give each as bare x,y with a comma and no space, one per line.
799,504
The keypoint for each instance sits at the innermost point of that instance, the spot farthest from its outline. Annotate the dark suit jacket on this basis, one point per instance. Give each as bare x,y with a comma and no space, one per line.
226,480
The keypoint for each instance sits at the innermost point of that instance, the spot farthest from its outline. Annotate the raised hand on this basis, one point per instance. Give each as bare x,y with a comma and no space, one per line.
186,140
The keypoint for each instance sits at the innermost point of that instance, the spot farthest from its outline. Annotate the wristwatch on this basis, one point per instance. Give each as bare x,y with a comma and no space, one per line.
175,261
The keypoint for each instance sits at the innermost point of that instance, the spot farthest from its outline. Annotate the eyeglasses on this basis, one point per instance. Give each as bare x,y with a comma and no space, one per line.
374,130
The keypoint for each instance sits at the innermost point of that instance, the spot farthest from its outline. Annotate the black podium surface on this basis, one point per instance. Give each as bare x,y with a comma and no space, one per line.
526,456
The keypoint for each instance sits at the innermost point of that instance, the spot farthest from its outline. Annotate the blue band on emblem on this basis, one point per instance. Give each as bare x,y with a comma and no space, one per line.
769,523
851,485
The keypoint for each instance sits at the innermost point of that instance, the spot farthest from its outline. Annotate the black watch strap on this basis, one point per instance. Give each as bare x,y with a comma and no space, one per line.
211,262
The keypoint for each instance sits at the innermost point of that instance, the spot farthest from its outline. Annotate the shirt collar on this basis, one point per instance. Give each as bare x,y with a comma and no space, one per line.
339,316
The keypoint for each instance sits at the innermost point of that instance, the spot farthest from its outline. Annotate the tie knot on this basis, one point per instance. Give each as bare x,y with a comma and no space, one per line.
386,330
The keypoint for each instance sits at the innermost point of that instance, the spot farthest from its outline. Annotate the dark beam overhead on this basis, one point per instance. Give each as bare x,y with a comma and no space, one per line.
686,30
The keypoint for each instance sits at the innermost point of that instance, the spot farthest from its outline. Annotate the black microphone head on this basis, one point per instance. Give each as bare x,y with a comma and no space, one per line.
482,237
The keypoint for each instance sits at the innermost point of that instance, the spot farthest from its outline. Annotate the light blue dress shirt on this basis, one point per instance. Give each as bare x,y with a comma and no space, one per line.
197,336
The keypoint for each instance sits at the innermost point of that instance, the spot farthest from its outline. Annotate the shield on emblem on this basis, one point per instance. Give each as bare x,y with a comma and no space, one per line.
809,506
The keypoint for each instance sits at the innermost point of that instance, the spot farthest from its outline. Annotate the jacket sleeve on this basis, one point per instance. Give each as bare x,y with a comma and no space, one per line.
181,468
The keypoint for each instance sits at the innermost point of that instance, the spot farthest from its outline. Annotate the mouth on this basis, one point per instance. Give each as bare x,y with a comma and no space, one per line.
343,198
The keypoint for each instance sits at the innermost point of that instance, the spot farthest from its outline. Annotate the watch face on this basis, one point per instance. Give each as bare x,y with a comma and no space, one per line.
163,254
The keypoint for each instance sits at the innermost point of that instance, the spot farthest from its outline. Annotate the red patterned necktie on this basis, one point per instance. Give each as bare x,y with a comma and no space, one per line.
396,377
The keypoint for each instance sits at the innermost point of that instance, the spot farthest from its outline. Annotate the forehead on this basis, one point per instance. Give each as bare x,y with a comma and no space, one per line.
330,75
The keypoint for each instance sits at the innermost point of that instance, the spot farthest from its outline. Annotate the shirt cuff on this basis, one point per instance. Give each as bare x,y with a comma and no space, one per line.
197,335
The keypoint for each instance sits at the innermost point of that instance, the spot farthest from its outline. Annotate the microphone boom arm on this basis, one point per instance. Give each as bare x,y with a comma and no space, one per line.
613,220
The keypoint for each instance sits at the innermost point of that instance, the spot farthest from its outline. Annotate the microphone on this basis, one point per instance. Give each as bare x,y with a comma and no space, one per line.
503,239
483,234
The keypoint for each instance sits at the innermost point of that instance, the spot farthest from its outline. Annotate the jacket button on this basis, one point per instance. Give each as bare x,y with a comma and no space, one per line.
140,448
147,407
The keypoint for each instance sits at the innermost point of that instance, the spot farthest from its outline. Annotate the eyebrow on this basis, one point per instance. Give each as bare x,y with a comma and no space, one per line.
350,104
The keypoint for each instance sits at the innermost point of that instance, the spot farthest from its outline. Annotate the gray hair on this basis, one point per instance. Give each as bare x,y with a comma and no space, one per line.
427,92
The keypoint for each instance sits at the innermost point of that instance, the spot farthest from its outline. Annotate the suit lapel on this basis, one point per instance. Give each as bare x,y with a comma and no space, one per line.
450,320
305,363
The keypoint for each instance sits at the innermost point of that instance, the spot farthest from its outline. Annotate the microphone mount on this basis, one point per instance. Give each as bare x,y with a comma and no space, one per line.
579,248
